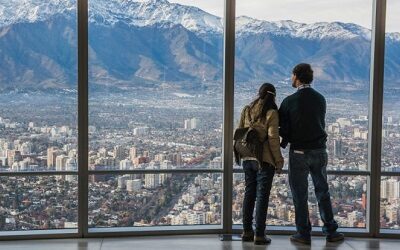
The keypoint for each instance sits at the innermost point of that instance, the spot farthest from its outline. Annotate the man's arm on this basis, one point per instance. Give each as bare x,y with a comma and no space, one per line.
284,124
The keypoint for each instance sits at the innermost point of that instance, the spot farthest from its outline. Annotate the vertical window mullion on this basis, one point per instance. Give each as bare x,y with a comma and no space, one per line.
228,82
83,117
375,112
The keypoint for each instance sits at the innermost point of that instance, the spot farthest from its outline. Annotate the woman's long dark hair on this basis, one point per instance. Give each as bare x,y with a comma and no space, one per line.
266,94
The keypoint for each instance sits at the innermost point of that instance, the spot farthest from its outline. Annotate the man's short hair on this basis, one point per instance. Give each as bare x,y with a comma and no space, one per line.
304,73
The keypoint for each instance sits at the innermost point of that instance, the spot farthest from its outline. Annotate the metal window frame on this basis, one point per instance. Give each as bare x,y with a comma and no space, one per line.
228,111
83,116
375,114
373,174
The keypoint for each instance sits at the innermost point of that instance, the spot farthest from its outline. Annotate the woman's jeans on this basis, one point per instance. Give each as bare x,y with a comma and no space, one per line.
301,164
258,186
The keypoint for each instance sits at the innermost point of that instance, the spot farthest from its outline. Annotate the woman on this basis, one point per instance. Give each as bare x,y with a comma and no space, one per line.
258,177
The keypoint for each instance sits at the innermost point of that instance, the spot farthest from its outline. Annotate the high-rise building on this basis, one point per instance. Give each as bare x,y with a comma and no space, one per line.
132,153
71,164
390,189
122,182
160,157
187,124
166,164
152,181
141,131
177,159
125,164
13,156
133,185
338,147
119,153
61,162
52,153
192,123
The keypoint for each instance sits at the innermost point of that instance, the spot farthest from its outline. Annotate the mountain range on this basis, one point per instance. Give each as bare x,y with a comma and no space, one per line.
157,43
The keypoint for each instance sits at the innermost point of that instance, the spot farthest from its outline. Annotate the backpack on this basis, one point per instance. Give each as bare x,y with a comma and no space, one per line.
249,141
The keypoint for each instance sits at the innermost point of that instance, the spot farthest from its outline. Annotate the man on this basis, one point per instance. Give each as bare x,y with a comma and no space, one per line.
302,124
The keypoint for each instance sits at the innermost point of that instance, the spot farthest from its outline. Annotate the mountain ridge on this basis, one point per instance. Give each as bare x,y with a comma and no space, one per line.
177,47
149,12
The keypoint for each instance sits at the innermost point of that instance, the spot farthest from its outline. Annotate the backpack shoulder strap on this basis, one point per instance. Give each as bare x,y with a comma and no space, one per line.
249,114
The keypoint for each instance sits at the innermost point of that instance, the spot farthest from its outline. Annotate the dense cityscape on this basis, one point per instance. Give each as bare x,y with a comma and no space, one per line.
174,130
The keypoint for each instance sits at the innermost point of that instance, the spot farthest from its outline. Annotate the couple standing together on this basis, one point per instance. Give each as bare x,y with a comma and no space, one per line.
300,121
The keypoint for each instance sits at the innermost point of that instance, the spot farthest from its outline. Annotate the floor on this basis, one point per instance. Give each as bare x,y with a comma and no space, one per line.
203,242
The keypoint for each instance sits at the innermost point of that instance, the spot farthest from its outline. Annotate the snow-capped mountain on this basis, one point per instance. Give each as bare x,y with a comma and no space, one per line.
149,42
150,12
31,11
110,12
321,30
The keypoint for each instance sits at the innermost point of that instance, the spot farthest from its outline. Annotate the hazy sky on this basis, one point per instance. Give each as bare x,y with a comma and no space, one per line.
307,11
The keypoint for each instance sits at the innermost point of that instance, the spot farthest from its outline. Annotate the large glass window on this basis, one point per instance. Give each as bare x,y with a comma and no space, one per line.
155,103
391,118
271,38
349,201
38,115
38,82
156,110
390,186
38,203
157,199
390,203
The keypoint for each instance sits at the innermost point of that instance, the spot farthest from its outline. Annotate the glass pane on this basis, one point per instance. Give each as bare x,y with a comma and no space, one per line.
391,117
143,200
38,203
390,203
155,85
348,196
38,85
274,36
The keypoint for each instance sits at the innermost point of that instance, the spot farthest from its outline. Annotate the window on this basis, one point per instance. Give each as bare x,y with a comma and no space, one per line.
271,38
159,199
390,185
348,194
38,116
155,103
155,111
39,203
38,81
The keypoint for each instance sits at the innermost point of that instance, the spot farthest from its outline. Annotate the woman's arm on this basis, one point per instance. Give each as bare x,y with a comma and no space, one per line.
273,139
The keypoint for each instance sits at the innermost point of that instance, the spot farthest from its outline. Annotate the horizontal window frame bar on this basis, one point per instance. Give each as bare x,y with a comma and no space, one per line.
153,233
317,231
38,173
390,174
329,172
156,171
96,230
177,171
389,233
39,234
